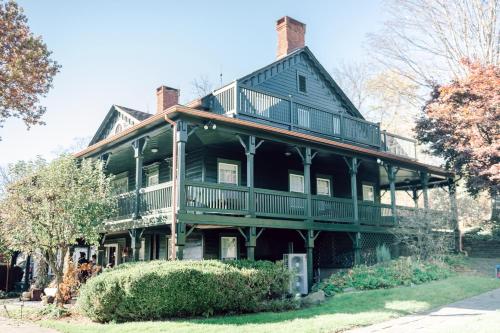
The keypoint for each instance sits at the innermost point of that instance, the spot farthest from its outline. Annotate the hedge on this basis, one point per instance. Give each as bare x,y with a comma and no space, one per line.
399,272
165,289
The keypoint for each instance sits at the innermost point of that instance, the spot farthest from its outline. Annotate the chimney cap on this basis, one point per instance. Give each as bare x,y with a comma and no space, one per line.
288,19
160,88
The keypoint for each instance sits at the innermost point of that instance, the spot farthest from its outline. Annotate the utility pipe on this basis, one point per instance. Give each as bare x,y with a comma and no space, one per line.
173,229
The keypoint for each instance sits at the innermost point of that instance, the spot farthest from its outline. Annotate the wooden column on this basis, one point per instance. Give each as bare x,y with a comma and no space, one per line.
353,171
391,174
138,146
415,197
310,237
307,161
181,139
250,149
357,248
251,242
452,191
135,242
424,179
180,240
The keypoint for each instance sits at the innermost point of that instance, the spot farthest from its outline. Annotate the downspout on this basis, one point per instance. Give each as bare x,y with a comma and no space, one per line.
173,229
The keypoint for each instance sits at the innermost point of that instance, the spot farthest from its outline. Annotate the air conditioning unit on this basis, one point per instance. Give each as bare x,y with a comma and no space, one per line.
297,263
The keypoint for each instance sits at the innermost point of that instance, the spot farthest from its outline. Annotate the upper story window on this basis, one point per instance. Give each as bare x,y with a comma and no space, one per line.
118,128
323,186
296,183
302,83
152,174
120,184
228,173
368,193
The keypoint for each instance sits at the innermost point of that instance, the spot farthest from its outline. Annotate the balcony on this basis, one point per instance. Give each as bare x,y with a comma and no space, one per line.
223,199
284,112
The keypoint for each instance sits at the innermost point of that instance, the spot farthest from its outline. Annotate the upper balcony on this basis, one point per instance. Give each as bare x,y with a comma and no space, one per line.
242,101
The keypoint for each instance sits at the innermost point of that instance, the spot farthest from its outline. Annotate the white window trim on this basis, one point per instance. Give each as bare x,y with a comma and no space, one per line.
220,162
296,174
363,185
220,247
327,179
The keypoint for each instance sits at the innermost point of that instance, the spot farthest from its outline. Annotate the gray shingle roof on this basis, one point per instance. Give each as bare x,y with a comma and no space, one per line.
139,115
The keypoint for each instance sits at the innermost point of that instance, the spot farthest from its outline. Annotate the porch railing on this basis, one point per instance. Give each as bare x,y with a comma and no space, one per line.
155,199
280,204
152,200
285,112
226,199
216,198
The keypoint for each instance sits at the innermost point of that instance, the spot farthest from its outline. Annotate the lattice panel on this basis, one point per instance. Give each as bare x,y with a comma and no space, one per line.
369,243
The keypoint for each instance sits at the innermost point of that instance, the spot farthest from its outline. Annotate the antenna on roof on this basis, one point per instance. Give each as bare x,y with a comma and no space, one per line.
220,76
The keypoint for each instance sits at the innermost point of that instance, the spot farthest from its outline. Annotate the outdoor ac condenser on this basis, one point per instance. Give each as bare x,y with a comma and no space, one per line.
297,263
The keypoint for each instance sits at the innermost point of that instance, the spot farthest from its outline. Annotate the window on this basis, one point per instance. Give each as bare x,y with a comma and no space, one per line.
323,186
153,178
296,183
368,193
228,248
303,117
118,128
302,83
228,173
120,184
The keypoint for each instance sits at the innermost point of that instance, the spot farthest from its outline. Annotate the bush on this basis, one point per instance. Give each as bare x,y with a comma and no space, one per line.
403,271
165,289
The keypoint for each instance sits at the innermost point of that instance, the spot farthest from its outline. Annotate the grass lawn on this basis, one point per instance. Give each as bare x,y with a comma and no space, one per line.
338,313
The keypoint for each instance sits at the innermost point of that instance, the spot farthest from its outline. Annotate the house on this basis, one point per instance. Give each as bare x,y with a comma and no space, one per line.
278,161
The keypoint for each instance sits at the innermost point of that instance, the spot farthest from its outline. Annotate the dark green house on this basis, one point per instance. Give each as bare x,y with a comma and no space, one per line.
278,161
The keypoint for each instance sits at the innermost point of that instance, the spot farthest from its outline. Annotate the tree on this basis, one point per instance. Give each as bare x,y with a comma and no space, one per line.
201,86
26,69
49,206
425,40
461,124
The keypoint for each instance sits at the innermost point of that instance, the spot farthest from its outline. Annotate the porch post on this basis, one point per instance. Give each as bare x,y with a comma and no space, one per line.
138,146
415,197
135,242
452,191
250,153
424,179
357,248
353,170
181,139
309,250
251,242
391,174
180,240
307,161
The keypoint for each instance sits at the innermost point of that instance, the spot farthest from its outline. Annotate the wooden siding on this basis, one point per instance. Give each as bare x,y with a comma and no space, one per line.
282,77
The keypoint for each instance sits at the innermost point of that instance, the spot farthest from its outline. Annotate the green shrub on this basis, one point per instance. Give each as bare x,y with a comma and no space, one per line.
165,289
383,253
53,311
403,271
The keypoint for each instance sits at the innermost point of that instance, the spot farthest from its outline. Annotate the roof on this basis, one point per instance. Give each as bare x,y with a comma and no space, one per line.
139,115
178,110
136,115
328,78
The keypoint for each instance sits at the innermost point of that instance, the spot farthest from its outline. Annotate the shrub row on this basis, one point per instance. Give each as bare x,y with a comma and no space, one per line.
165,289
402,271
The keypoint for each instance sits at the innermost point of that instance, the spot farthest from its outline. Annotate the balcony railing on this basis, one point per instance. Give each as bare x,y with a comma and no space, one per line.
155,199
284,112
227,199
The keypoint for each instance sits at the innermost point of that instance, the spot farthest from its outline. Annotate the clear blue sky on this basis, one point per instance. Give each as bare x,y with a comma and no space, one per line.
118,52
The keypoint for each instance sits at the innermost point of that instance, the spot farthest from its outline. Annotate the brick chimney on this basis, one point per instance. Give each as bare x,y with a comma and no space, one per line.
291,35
166,97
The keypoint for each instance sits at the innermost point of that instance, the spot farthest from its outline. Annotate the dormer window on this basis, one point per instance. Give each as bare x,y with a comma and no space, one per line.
302,83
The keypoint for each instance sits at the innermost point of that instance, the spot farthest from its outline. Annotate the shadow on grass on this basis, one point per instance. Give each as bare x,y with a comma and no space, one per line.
395,302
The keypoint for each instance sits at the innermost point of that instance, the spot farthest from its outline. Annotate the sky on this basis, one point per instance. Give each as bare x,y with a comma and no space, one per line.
119,52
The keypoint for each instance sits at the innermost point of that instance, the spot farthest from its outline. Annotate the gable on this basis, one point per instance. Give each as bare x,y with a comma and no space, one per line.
117,119
282,78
